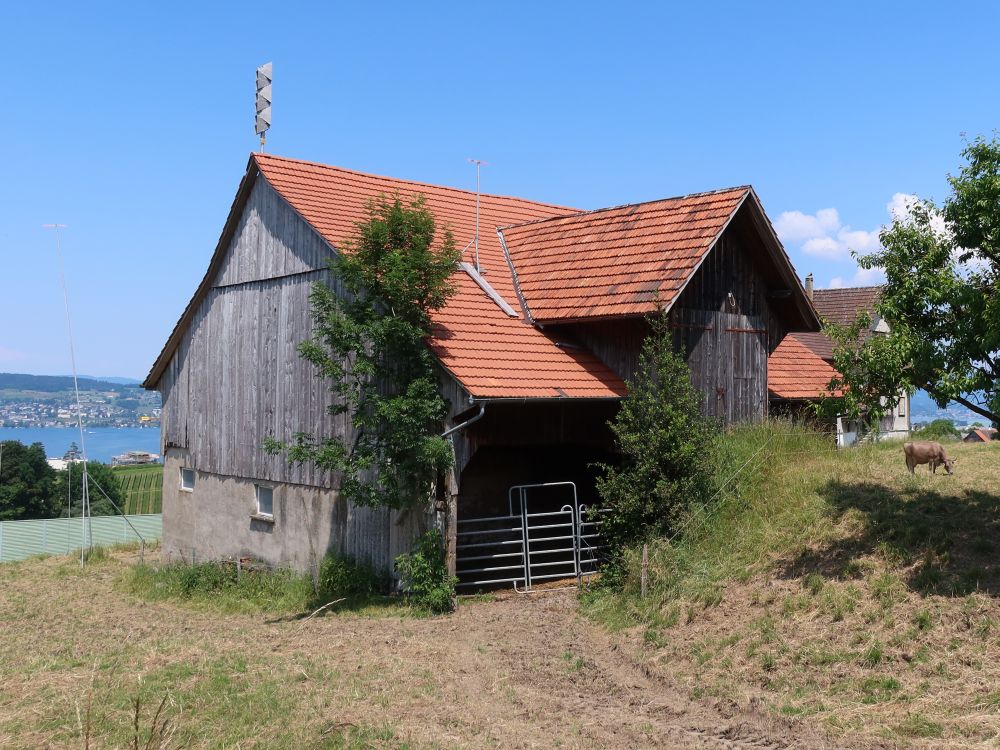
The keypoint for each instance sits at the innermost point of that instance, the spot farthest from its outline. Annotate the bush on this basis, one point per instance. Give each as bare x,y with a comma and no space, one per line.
425,574
667,449
218,585
348,578
939,429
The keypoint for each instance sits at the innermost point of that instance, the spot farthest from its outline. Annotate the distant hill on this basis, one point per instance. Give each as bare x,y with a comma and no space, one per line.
10,381
923,409
107,379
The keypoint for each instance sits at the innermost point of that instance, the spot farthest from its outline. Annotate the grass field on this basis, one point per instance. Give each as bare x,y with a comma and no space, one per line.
835,589
142,487
832,601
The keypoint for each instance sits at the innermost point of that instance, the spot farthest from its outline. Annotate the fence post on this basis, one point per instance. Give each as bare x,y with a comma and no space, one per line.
644,576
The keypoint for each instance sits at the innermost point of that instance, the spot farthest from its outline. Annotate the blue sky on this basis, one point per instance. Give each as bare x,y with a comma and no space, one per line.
132,125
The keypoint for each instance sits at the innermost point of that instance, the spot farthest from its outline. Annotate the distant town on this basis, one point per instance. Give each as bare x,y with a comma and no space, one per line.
50,401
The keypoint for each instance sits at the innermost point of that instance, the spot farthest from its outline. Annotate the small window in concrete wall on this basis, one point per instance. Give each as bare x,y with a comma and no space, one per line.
902,407
187,480
265,501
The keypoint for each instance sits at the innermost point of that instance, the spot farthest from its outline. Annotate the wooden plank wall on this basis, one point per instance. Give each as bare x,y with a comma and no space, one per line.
237,376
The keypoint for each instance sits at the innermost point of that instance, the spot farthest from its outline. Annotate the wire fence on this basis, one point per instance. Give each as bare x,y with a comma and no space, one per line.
60,536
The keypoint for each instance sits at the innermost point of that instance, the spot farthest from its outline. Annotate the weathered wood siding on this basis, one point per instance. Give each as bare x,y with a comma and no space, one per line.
728,359
237,376
724,323
733,267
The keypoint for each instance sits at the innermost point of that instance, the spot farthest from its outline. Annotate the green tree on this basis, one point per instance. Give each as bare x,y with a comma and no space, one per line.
941,300
100,477
666,448
938,429
25,482
370,343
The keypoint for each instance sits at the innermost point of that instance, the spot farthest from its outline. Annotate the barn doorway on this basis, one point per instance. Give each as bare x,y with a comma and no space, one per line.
546,535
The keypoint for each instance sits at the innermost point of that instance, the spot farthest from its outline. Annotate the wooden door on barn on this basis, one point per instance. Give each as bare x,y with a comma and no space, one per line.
727,354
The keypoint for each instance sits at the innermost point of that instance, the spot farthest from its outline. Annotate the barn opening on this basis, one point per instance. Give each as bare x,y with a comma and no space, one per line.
528,495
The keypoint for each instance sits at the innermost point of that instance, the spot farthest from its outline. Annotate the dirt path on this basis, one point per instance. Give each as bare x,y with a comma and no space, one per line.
518,672
529,672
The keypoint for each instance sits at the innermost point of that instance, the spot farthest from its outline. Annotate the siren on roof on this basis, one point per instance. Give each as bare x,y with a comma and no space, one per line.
263,121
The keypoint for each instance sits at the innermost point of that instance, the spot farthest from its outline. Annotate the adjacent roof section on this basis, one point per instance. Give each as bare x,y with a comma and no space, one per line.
795,372
842,306
616,261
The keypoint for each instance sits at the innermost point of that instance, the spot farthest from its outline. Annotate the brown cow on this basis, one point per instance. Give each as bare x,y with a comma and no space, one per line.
926,452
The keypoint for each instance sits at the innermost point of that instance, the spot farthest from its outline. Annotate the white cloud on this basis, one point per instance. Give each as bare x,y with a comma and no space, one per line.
861,277
842,244
795,226
823,247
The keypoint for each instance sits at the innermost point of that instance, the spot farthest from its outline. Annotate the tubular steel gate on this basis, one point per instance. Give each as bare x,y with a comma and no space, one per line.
524,547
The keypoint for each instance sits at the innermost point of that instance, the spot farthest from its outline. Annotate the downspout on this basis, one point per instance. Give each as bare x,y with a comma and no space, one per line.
467,422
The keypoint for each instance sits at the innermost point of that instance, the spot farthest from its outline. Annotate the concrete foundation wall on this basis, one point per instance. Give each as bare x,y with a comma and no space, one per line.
215,521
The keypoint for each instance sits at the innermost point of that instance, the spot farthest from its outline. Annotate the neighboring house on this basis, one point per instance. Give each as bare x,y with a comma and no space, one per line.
535,348
843,307
980,435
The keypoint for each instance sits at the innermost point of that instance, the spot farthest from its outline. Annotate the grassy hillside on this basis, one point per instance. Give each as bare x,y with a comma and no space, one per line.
833,587
142,487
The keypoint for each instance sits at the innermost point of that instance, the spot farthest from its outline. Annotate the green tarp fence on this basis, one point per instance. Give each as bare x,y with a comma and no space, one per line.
60,536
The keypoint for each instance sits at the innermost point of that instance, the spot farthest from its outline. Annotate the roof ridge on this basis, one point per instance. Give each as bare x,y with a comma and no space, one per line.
850,288
255,155
580,214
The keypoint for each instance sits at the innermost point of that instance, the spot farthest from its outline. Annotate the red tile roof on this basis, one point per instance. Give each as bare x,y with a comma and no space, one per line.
819,343
842,306
795,372
616,261
492,354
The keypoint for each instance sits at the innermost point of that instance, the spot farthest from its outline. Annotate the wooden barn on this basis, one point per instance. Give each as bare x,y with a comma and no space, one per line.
534,348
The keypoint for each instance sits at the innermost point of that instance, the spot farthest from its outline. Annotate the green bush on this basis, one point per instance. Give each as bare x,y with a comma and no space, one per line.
667,452
348,578
218,585
425,574
939,429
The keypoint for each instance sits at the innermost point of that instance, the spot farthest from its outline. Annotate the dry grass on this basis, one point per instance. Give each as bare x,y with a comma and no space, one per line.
502,672
867,602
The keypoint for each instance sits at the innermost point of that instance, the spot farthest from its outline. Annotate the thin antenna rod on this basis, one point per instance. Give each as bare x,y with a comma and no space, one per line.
85,499
479,163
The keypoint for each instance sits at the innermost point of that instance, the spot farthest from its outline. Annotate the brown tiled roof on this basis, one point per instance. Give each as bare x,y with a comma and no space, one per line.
842,306
818,342
492,354
796,372
616,261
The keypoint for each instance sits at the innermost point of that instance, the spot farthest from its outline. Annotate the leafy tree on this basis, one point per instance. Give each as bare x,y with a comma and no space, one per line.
371,345
101,477
25,482
938,429
666,447
941,300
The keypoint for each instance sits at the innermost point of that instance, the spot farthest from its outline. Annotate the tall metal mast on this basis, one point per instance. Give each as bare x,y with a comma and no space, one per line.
86,532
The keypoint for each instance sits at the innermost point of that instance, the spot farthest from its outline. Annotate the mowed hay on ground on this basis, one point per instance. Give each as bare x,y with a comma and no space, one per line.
845,593
510,672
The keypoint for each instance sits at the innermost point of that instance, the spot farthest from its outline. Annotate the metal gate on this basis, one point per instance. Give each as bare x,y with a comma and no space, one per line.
527,547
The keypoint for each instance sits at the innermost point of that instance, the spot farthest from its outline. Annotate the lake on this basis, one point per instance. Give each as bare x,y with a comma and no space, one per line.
102,442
